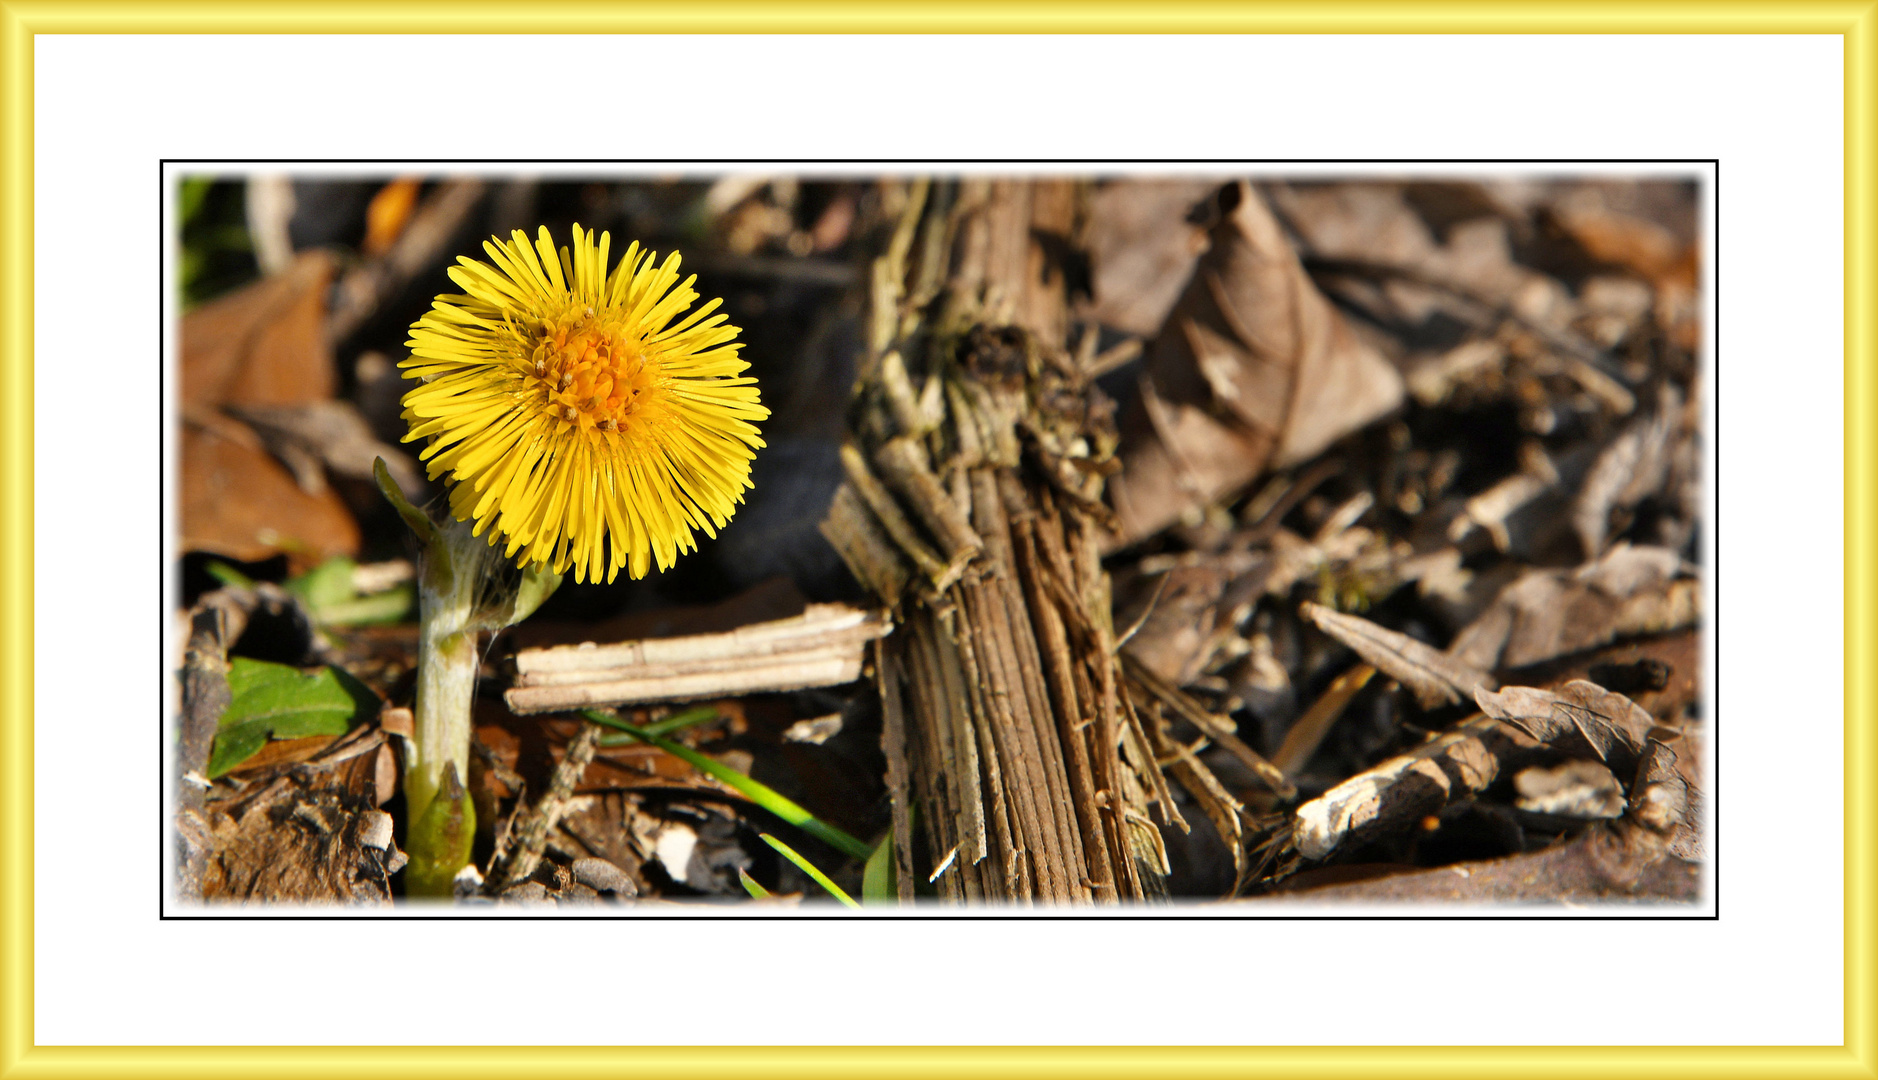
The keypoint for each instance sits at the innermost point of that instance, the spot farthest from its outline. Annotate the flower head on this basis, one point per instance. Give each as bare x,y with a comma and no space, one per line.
585,418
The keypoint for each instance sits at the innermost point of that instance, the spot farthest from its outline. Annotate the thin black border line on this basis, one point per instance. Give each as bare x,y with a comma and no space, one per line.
1208,162
1712,844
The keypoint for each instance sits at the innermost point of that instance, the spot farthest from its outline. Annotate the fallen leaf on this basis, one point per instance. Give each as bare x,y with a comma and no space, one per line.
1254,369
1142,246
1609,235
1550,613
1661,798
240,502
302,840
280,702
1615,728
264,344
1175,618
1632,467
317,437
1434,677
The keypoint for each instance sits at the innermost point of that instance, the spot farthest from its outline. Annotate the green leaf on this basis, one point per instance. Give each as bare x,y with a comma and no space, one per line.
757,792
389,606
325,585
808,868
192,193
328,593
281,702
877,886
228,575
234,746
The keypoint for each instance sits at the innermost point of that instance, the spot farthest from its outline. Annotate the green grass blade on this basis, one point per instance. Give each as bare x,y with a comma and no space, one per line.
821,879
676,722
228,575
759,793
877,885
757,892
683,720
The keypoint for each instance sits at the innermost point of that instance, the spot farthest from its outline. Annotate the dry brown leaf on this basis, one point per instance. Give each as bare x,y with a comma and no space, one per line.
1254,369
1176,621
1611,236
1661,797
264,344
315,437
1373,224
1434,677
1632,467
301,839
1368,221
1550,613
239,502
1142,246
264,347
1614,727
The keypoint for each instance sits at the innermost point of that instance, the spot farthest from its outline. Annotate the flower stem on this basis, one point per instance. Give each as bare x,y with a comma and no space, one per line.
464,588
441,815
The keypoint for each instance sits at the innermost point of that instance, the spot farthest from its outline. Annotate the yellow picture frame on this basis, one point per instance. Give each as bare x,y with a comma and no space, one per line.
22,20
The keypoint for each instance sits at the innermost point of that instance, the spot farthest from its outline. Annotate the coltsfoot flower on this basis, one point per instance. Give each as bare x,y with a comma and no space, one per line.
579,423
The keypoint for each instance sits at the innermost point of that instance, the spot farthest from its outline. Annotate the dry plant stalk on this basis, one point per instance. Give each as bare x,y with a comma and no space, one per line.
822,646
977,455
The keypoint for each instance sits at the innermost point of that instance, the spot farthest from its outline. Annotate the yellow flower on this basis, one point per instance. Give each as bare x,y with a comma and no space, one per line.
576,419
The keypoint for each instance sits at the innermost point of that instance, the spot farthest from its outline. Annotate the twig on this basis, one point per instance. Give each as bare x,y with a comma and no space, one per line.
820,647
1307,734
420,247
1219,729
529,838
1142,620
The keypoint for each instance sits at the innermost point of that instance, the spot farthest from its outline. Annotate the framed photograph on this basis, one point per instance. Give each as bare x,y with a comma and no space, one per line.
1274,416
1192,505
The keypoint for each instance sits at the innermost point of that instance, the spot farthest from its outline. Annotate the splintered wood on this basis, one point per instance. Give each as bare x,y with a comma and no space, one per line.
823,646
977,455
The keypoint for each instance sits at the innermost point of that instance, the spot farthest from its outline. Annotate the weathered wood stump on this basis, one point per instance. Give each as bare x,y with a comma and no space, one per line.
976,460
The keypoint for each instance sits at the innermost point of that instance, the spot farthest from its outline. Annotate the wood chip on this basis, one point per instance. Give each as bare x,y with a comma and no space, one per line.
1399,791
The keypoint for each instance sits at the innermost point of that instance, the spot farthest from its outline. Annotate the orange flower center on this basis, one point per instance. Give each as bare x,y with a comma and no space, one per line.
595,377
